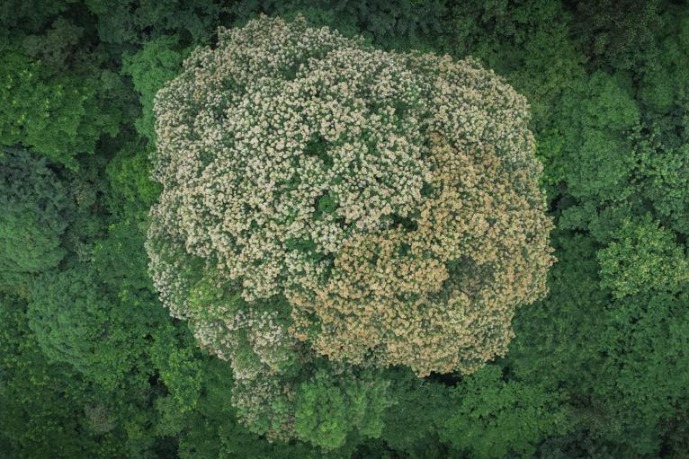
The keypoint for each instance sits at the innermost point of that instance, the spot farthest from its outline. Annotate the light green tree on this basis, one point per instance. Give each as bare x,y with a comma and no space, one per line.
643,257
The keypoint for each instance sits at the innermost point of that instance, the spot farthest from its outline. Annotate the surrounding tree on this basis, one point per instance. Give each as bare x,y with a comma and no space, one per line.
495,418
35,210
54,87
643,257
616,33
157,62
387,23
76,324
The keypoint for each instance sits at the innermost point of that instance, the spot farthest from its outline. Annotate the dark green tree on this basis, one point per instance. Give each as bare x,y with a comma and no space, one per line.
77,323
616,33
47,409
390,24
495,418
645,374
35,210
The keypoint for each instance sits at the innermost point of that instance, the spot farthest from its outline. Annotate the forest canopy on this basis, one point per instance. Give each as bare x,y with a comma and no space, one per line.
396,295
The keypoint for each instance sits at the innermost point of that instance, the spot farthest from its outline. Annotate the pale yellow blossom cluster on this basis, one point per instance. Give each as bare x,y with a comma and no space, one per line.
439,298
391,198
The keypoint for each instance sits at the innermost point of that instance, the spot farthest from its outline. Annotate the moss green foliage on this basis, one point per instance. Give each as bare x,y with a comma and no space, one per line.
34,212
129,177
93,366
597,131
329,405
58,117
493,417
58,93
643,257
75,323
158,61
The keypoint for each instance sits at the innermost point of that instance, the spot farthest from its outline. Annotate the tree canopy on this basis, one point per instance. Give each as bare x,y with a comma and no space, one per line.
391,199
346,227
34,212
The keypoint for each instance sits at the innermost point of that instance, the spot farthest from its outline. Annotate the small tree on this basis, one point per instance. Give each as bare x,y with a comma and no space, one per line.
643,257
77,323
34,213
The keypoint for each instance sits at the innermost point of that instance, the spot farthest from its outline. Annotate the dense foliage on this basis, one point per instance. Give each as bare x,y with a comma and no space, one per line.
391,199
92,364
34,213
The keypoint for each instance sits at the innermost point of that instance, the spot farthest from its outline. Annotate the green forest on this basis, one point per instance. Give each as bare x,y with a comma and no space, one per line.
344,229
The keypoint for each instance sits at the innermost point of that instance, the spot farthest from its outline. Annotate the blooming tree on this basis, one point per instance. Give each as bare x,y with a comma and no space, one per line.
322,197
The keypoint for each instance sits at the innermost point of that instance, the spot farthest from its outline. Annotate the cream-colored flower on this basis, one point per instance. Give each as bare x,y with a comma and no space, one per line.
391,198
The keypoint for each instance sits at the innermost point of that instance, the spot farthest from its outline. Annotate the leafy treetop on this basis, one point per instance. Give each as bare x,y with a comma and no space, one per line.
390,199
